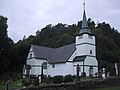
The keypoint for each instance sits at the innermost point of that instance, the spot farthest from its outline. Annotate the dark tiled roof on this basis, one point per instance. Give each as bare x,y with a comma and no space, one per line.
54,55
42,52
79,58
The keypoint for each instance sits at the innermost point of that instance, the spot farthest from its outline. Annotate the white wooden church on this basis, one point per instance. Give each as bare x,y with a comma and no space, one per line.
64,60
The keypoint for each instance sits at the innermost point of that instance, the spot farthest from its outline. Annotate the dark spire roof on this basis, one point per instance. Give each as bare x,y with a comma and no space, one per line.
85,28
84,22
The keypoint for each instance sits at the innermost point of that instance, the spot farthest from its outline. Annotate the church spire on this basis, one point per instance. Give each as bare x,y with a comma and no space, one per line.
85,28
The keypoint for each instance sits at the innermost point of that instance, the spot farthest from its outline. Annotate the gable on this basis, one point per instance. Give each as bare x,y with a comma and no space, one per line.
72,56
31,54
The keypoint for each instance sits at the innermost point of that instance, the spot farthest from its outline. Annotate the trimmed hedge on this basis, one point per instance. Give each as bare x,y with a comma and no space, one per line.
57,79
68,78
79,85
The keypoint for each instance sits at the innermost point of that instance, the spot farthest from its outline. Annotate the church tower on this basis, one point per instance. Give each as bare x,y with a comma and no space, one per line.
85,41
86,49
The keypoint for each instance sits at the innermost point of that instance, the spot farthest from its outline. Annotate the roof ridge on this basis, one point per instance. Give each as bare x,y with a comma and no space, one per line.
65,45
42,46
50,47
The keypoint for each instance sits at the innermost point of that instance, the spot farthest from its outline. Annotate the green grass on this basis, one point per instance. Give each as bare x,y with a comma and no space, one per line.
109,88
16,84
85,78
1,87
11,85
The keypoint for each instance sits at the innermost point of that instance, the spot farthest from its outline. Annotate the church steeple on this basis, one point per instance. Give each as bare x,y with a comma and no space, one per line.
84,22
85,28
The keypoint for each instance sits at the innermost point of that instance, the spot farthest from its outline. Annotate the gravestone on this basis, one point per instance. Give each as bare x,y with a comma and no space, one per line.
6,85
103,73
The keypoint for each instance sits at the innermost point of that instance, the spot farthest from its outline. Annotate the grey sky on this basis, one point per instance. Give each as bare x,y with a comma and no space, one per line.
25,17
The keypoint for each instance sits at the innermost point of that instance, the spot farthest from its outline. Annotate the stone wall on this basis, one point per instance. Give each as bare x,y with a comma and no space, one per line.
80,85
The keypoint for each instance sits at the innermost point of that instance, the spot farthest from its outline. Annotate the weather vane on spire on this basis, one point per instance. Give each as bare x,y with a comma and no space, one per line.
84,5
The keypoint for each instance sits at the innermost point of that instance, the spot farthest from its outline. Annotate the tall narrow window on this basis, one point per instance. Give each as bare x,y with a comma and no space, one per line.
30,55
53,65
90,51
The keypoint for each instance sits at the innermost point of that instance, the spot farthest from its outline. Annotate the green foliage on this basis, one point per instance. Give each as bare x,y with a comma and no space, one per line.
5,46
13,84
65,39
68,78
109,88
26,82
85,78
107,44
57,79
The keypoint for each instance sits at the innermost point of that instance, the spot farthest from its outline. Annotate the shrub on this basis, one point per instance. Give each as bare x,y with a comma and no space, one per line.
68,78
32,81
26,82
57,79
45,79
83,74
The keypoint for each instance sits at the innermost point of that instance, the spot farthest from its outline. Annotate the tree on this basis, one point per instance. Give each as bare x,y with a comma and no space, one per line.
5,45
64,40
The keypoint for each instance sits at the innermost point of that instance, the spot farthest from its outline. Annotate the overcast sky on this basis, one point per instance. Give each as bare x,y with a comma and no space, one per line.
25,17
